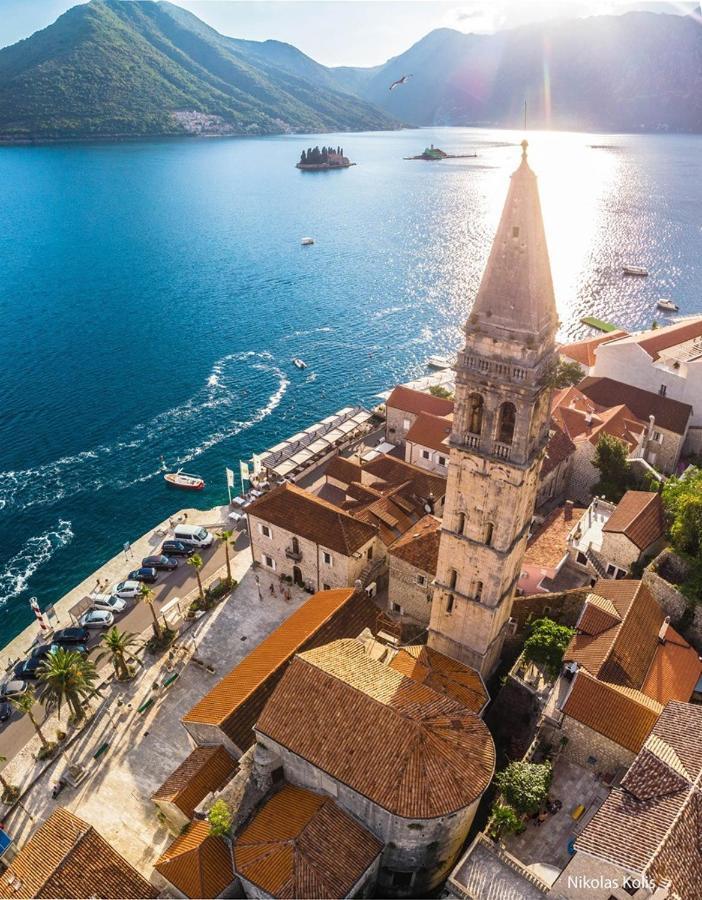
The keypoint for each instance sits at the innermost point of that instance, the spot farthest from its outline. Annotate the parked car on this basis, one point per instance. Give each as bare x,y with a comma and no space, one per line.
160,562
193,535
74,648
5,710
145,573
176,548
97,618
13,688
127,590
71,636
109,602
28,667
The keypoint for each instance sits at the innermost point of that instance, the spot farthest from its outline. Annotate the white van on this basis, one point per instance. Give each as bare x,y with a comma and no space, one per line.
193,535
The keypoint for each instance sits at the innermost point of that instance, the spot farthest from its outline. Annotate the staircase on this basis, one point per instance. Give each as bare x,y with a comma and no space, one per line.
594,561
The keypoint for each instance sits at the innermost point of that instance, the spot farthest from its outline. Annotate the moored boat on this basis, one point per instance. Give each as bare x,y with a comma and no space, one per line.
668,305
300,363
440,362
184,481
307,241
635,270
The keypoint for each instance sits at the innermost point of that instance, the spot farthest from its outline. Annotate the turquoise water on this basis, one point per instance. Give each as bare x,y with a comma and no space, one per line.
153,294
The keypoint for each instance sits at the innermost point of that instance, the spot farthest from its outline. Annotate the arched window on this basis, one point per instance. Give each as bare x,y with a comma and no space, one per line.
505,423
489,528
461,523
478,591
452,578
449,603
475,413
295,545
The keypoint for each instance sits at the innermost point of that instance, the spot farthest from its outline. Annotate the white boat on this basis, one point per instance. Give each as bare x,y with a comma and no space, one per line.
635,270
300,363
667,305
440,362
186,482
307,241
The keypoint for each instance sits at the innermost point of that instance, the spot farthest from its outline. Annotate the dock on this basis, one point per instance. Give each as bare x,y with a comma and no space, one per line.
599,324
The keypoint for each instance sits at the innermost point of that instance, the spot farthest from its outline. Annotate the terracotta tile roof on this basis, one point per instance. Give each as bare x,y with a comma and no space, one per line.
413,480
234,704
675,669
431,431
406,747
207,769
655,341
668,413
596,619
66,857
197,863
344,470
558,449
548,544
300,844
384,514
623,715
583,352
443,675
306,515
651,823
639,516
584,420
419,546
417,402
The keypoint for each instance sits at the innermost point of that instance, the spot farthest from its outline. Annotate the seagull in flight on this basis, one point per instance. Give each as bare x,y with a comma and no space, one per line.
399,81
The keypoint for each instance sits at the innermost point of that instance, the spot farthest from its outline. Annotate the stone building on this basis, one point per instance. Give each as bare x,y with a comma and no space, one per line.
545,566
197,864
500,429
556,469
404,405
413,559
427,443
204,771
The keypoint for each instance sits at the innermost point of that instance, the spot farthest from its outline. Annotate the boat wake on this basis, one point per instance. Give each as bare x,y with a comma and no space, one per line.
15,574
180,434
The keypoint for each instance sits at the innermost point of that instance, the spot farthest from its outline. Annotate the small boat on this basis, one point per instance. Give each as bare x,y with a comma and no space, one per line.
635,270
300,363
307,241
183,481
440,362
667,305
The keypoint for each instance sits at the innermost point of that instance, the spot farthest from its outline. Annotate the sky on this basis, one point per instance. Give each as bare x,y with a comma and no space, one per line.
345,32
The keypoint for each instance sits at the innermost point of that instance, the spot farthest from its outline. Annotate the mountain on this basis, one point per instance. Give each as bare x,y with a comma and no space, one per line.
110,68
635,71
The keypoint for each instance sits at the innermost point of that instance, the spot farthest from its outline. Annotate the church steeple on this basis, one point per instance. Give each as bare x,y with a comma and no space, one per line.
516,292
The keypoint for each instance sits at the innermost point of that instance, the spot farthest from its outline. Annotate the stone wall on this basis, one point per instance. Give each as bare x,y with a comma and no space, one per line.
563,607
397,424
584,742
685,616
553,487
415,599
583,475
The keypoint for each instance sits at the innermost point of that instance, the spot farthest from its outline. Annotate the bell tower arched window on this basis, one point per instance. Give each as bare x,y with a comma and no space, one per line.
506,422
453,576
460,523
489,528
475,413
478,594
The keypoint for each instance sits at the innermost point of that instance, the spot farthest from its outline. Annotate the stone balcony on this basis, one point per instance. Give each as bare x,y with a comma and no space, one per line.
295,555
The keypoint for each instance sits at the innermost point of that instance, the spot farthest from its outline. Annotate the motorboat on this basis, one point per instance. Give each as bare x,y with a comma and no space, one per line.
440,362
667,305
184,481
635,270
307,241
300,363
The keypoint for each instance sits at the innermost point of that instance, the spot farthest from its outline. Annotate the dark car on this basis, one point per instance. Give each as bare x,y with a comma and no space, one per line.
5,710
176,548
68,636
28,667
159,562
13,688
147,574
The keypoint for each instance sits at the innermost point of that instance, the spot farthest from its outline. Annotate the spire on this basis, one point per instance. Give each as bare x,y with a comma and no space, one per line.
516,291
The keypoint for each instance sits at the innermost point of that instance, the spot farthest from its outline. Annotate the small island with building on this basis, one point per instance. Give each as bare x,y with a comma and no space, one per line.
433,153
314,159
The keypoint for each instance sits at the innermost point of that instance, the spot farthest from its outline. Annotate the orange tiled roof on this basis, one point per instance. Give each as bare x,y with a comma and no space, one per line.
300,844
302,513
443,675
659,339
668,413
416,402
207,769
431,431
413,480
675,669
236,701
419,546
409,749
344,470
583,352
639,516
197,863
623,715
548,545
66,857
584,420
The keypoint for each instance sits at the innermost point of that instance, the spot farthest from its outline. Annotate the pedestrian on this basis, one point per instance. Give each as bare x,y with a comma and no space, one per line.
272,589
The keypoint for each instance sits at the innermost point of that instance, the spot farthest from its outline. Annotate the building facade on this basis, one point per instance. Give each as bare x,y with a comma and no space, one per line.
500,430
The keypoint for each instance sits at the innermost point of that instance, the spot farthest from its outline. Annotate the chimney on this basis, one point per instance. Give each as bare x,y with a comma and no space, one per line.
664,629
568,511
651,423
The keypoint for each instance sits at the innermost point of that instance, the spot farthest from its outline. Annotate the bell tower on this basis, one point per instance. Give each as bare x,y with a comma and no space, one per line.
500,429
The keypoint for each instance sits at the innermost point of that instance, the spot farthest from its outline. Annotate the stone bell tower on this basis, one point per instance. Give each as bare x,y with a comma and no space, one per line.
500,429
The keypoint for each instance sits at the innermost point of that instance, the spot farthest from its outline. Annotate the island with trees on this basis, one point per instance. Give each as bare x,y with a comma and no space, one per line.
432,154
313,159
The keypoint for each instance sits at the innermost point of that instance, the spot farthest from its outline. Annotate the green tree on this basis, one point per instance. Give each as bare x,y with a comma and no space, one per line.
8,790
615,471
24,703
437,390
67,676
147,595
220,818
117,646
565,374
504,820
226,536
525,785
546,644
197,563
682,498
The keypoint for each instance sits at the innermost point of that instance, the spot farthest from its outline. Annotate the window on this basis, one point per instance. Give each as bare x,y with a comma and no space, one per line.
421,580
326,587
295,545
369,553
631,886
425,454
265,530
269,561
442,460
581,558
657,437
475,413
478,593
663,390
461,523
515,231
449,604
406,424
396,608
452,578
506,420
489,529
327,557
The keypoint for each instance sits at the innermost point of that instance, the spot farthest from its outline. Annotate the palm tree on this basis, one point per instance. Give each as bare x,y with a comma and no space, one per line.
117,644
226,536
147,595
196,562
67,676
25,704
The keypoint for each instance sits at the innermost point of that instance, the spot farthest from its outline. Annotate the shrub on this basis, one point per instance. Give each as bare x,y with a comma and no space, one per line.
60,736
220,818
504,820
46,750
436,390
615,471
546,645
525,785
155,644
